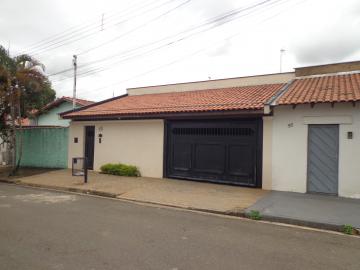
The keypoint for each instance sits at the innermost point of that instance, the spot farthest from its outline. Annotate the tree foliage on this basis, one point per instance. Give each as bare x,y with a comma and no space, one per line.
24,84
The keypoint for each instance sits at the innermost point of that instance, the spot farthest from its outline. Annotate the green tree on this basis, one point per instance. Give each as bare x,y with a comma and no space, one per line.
23,88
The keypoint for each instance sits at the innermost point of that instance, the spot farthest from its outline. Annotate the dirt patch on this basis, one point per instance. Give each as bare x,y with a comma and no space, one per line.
22,172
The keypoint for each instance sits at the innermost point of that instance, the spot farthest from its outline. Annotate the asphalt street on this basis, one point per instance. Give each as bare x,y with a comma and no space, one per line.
41,229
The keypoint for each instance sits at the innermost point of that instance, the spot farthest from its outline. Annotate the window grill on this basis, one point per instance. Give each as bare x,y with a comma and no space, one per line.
213,131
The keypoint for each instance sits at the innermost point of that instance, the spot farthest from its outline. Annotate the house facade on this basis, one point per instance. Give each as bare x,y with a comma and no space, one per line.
260,131
49,114
44,136
189,131
316,132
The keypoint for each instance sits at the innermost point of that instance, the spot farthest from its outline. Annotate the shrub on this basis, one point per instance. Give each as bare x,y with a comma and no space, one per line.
254,215
348,229
120,169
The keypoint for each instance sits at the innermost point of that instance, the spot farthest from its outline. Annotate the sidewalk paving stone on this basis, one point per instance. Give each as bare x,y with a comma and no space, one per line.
178,193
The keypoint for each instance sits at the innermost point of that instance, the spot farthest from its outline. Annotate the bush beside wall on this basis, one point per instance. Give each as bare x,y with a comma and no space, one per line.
120,169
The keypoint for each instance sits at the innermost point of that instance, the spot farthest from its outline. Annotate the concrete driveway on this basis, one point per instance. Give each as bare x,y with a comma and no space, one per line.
178,193
309,208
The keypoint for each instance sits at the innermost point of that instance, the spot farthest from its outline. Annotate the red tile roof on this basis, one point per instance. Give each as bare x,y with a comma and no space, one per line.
224,99
58,101
24,122
78,101
333,88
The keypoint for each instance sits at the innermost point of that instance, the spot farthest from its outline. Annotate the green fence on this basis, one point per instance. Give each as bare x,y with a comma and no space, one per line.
45,147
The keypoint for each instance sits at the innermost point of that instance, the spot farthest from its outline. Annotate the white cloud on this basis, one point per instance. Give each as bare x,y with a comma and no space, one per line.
310,33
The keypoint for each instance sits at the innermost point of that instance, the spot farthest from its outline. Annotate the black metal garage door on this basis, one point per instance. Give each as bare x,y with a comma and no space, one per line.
218,151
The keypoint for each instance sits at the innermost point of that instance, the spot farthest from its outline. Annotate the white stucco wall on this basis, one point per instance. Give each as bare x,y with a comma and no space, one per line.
138,143
289,147
267,153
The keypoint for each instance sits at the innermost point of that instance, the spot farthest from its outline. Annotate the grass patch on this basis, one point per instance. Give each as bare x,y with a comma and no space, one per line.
348,229
120,169
255,215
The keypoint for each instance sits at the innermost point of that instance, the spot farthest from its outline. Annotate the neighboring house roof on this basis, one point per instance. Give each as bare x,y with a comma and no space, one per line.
58,101
320,89
214,100
24,122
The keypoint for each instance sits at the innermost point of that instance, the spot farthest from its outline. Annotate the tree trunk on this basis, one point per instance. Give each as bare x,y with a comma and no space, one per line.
20,138
13,130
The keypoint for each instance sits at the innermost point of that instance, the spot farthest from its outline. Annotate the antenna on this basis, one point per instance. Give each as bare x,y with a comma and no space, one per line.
282,51
102,22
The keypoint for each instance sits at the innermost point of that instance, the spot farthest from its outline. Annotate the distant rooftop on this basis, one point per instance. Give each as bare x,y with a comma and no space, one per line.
58,101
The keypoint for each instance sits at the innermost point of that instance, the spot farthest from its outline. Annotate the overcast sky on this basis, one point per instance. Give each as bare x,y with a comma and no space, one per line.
122,44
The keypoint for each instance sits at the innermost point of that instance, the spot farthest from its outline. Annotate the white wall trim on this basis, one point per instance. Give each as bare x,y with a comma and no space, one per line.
341,119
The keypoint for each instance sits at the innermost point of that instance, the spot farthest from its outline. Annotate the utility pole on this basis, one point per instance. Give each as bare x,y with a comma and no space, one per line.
282,51
8,50
75,68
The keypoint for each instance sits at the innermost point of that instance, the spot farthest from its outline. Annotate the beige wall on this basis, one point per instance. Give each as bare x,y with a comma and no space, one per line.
326,69
213,84
289,148
137,143
267,153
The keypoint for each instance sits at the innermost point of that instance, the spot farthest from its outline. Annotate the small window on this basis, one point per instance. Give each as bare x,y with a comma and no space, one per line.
76,140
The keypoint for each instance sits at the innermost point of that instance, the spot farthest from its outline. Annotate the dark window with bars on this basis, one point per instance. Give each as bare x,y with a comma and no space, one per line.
213,131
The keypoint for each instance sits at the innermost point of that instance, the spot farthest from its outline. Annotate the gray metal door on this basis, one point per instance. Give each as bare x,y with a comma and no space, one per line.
323,158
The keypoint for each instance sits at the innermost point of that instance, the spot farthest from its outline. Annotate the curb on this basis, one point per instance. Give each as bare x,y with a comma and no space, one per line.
242,213
304,223
7,181
75,190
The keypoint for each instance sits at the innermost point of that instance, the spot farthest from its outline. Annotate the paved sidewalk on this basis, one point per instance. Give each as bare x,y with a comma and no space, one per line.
178,193
309,208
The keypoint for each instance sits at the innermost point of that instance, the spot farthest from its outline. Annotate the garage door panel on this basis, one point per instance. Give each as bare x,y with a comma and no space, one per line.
241,160
181,156
209,158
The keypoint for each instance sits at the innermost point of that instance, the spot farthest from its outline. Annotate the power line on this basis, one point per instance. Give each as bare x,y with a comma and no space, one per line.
181,58
134,29
92,31
78,28
210,22
228,14
70,30
101,68
89,32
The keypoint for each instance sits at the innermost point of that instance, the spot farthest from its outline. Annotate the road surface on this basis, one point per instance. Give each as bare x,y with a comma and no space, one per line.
41,229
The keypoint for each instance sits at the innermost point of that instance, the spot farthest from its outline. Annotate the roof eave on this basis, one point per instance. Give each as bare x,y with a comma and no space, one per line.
227,113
